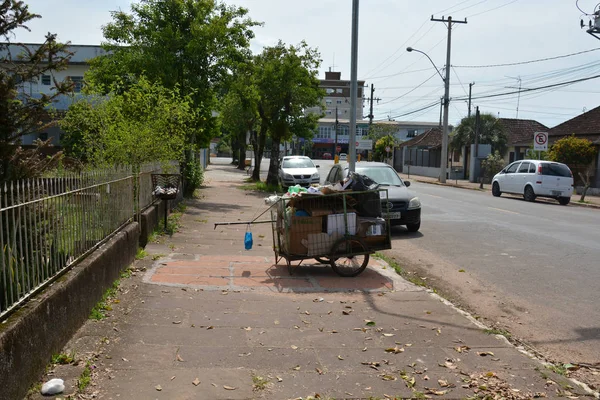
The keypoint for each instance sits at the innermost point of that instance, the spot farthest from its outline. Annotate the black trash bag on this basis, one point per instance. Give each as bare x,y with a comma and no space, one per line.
361,183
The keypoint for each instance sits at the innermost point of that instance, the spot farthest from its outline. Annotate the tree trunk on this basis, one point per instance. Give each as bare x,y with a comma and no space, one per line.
258,142
586,183
242,153
272,177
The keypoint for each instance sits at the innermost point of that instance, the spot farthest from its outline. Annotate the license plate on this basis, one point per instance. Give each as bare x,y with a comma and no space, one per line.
556,193
392,215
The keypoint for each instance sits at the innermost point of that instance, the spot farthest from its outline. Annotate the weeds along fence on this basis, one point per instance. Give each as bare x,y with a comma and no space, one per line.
48,224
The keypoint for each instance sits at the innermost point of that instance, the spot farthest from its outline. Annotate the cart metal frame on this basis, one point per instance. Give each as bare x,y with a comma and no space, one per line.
347,253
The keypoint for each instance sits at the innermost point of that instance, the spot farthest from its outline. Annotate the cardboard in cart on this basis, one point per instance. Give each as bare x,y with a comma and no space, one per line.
297,232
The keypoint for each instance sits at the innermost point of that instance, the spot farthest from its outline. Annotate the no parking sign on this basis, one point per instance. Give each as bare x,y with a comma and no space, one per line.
540,141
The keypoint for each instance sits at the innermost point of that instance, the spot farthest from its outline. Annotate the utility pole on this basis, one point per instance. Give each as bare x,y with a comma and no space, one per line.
444,160
441,109
519,95
336,131
371,105
353,87
470,86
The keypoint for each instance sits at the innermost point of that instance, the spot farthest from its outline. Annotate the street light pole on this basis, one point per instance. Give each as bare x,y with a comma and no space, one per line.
353,87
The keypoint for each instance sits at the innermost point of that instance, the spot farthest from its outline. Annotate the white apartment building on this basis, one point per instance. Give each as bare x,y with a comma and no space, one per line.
75,71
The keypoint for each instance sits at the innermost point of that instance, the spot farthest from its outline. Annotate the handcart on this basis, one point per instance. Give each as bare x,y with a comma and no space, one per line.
340,229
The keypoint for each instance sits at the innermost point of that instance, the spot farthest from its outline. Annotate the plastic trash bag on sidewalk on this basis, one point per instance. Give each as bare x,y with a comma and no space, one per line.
248,239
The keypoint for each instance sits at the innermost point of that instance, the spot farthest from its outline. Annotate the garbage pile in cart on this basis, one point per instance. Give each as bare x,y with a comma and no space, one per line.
308,222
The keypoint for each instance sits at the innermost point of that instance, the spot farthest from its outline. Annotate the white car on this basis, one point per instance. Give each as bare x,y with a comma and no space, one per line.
535,178
343,156
298,170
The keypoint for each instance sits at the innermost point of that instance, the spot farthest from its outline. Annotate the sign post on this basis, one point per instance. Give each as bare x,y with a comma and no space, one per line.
540,142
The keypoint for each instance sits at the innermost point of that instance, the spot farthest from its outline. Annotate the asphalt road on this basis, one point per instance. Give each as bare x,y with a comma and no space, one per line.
530,268
533,268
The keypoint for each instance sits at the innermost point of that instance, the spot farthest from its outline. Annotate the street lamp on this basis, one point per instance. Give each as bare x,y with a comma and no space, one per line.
444,155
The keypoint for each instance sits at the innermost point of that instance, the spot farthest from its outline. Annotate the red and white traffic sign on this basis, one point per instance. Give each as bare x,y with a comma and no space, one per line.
540,141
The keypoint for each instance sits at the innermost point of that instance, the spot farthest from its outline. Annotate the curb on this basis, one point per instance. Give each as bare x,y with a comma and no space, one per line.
575,203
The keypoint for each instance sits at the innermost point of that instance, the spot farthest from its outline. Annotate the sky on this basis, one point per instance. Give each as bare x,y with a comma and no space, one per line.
409,89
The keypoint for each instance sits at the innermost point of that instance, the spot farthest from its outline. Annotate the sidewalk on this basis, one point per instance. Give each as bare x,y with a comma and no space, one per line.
590,201
204,319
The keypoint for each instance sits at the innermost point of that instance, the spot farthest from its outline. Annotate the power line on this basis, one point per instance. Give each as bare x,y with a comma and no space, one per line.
437,103
534,89
410,91
492,9
525,62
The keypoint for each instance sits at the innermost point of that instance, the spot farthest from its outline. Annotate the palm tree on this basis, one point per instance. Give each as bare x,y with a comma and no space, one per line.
491,131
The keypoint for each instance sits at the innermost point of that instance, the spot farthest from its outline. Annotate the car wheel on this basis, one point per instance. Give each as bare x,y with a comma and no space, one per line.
563,201
496,190
413,227
529,194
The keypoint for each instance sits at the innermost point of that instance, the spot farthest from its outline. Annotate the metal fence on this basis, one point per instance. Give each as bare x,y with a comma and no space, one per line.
48,224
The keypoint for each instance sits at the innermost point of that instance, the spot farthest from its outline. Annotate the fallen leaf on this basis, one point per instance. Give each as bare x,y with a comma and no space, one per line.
276,322
247,328
485,353
462,349
294,347
296,327
346,312
364,349
296,368
124,359
179,358
388,378
196,382
461,270
306,312
229,387
319,371
210,327
176,322
426,378
340,358
321,329
214,384
158,387
388,334
279,379
427,312
394,350
334,331
436,392
224,293
369,322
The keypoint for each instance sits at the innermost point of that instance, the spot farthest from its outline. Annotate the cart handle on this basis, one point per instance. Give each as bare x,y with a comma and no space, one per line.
242,223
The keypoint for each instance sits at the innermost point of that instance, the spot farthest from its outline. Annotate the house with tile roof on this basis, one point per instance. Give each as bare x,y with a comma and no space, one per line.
520,134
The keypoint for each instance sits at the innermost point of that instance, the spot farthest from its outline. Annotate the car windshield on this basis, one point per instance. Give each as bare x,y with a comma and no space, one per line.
382,175
297,163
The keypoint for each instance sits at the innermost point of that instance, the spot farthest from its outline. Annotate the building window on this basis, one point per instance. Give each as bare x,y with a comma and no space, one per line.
324,132
329,91
43,136
328,102
328,112
339,90
339,102
77,83
46,80
412,133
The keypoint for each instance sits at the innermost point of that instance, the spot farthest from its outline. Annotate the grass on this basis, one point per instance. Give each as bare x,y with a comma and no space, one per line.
262,187
100,309
63,358
259,382
557,369
157,256
141,254
409,277
496,331
419,395
84,379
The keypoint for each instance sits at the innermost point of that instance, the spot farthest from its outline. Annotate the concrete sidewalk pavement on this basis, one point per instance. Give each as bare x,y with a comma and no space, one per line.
202,318
590,201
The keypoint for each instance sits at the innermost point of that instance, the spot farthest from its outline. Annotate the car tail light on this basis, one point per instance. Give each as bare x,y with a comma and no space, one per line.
539,169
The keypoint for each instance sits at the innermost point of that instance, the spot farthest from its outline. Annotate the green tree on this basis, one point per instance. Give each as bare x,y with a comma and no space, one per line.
493,163
378,130
491,131
381,144
20,112
579,155
287,84
148,122
189,44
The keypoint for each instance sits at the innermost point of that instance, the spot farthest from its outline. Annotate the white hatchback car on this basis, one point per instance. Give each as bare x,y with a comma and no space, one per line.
535,178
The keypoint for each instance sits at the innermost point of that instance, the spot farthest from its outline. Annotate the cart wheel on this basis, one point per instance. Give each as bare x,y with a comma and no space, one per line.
323,260
349,256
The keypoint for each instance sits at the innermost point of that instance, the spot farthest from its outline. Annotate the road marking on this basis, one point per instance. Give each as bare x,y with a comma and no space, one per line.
500,209
439,197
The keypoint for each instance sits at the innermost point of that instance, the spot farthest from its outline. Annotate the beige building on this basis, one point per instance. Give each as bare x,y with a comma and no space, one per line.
337,96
